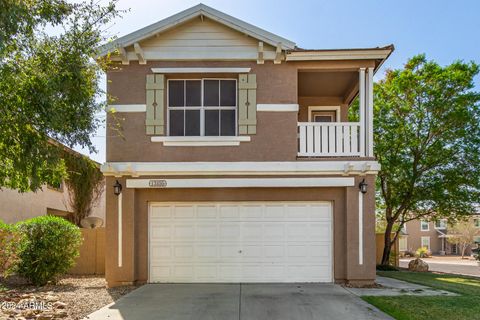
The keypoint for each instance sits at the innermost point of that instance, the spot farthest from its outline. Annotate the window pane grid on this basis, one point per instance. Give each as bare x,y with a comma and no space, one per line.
225,123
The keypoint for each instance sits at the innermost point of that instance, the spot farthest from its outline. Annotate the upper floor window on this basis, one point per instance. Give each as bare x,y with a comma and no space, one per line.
441,224
202,107
476,222
424,225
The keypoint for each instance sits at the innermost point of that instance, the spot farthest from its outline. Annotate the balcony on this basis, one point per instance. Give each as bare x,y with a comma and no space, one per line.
331,139
324,98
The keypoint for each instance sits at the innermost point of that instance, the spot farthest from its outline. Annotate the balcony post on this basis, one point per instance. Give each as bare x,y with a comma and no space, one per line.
361,98
369,106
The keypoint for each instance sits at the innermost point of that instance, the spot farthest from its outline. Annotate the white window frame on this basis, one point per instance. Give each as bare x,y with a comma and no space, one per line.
421,225
444,224
404,241
336,109
202,108
428,240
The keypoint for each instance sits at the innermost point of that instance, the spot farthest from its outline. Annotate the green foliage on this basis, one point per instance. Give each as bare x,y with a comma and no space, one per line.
48,248
9,240
386,267
465,306
49,85
422,252
427,140
86,183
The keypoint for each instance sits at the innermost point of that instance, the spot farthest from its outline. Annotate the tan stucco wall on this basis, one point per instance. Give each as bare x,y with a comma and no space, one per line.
15,206
414,237
276,137
135,228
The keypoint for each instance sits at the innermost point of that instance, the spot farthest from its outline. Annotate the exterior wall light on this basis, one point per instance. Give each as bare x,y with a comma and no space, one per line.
117,188
363,186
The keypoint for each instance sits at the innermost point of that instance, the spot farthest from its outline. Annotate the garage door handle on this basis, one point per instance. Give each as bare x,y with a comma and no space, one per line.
239,251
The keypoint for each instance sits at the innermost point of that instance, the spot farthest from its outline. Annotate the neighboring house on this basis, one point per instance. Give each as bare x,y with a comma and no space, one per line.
237,162
433,235
49,200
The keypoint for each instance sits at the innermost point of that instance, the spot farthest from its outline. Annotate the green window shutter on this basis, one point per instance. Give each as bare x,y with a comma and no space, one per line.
154,122
247,104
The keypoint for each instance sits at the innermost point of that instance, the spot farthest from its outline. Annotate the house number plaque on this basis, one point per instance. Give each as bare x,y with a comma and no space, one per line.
157,183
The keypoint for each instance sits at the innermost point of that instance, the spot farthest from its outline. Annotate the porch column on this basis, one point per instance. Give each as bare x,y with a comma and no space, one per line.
369,112
366,111
361,97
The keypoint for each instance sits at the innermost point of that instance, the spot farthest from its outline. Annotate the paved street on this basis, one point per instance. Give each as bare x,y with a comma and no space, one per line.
449,264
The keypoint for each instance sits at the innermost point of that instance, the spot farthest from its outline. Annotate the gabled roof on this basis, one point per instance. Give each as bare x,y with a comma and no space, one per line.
189,14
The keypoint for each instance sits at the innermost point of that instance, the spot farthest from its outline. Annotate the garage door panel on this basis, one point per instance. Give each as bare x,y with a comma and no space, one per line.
183,212
160,232
228,211
240,242
206,212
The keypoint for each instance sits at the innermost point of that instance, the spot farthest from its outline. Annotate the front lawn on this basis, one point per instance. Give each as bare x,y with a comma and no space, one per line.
466,306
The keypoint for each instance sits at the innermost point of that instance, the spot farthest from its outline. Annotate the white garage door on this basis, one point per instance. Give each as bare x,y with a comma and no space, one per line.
240,242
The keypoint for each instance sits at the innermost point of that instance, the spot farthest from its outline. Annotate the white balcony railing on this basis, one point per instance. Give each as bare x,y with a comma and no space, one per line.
329,139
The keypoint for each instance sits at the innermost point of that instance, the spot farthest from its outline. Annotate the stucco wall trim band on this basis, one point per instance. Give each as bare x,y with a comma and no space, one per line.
127,108
277,107
240,168
201,70
241,183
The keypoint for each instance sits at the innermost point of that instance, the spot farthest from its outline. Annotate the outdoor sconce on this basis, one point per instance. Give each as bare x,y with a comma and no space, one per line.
363,186
117,188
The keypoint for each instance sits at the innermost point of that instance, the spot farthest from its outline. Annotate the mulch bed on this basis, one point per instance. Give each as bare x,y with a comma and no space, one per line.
72,297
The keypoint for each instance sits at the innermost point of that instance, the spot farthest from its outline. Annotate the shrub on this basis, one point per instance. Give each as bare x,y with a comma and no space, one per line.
409,253
48,248
386,267
423,252
9,240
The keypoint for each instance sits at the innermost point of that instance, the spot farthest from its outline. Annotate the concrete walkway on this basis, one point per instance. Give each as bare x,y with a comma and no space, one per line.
394,287
239,302
453,265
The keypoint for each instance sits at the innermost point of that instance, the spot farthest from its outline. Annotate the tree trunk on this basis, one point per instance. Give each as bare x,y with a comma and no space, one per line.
387,244
464,247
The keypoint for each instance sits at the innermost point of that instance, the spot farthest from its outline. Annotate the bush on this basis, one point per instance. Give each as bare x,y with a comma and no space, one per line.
409,254
48,248
386,267
423,252
9,240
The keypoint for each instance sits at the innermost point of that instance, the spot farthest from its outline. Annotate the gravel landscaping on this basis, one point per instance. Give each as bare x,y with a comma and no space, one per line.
73,297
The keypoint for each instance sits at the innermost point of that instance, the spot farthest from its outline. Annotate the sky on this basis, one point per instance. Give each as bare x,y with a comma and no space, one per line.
443,30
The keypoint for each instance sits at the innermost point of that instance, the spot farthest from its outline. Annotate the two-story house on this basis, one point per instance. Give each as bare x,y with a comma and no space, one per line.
237,162
434,235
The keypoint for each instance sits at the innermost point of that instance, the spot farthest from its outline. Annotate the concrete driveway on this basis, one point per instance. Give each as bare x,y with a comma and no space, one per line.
239,301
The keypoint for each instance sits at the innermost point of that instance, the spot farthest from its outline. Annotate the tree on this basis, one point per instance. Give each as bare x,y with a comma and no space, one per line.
49,85
427,140
85,182
462,233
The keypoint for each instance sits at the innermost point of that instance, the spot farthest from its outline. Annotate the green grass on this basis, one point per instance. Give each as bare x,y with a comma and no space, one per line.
465,306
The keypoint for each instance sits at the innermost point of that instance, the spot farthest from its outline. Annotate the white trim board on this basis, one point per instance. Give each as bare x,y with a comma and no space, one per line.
127,108
277,107
355,54
240,168
201,70
336,109
202,141
241,183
